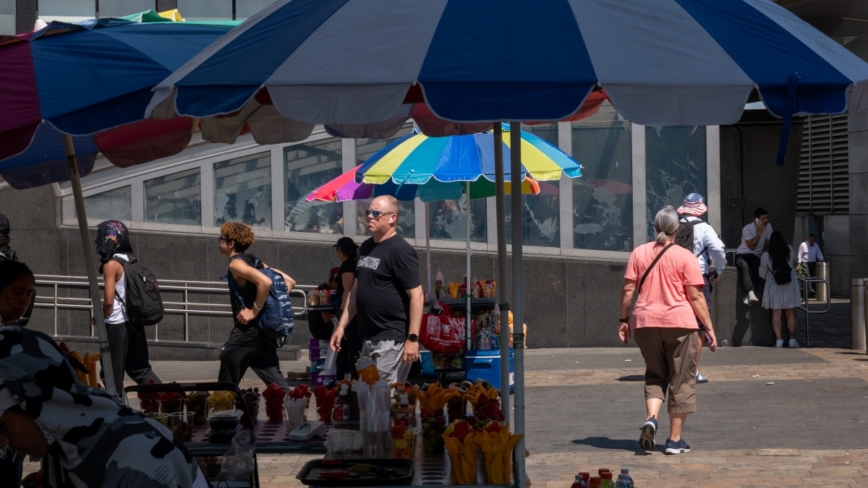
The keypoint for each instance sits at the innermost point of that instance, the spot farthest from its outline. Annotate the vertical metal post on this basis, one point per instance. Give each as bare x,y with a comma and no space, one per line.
857,314
89,264
431,294
55,310
502,293
468,328
517,295
186,315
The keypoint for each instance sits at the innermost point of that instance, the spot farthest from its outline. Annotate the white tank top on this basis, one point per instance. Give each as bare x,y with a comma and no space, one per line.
119,310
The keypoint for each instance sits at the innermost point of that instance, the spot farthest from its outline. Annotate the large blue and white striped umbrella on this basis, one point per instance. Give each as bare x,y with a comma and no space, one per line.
663,62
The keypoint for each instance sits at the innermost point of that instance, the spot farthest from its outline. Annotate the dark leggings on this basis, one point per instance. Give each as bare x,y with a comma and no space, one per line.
351,349
748,265
235,360
129,350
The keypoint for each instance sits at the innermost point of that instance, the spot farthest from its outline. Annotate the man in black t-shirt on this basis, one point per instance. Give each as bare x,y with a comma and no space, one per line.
386,296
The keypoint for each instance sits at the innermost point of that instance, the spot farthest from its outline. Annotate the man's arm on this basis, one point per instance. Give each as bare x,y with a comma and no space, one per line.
348,313
803,252
417,300
263,286
716,251
819,253
752,242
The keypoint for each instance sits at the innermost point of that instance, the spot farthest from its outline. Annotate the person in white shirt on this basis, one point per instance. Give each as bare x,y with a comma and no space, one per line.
809,255
754,237
709,250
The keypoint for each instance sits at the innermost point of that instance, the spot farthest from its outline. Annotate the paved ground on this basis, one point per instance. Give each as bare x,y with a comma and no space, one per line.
584,407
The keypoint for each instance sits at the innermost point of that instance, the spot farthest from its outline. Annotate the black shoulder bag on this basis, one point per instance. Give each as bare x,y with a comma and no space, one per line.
653,263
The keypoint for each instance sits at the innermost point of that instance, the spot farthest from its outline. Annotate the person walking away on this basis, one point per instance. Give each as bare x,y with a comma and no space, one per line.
16,286
386,295
809,255
128,343
753,240
247,346
781,294
84,437
667,281
7,253
351,347
709,250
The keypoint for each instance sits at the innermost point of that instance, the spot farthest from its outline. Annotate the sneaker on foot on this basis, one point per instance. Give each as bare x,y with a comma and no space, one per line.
779,343
793,343
648,438
746,300
700,378
752,296
679,447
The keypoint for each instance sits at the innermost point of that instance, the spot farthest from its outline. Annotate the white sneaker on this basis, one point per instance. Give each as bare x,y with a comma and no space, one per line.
752,296
746,300
793,343
779,343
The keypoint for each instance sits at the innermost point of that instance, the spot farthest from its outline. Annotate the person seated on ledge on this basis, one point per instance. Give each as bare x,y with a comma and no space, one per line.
85,438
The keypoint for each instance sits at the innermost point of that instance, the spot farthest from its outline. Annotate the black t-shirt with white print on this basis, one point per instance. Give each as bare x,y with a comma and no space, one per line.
385,272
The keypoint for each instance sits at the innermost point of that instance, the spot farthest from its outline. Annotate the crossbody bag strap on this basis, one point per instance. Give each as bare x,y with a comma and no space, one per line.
653,263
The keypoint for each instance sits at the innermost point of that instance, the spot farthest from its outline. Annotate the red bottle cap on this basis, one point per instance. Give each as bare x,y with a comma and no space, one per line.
603,470
585,476
606,475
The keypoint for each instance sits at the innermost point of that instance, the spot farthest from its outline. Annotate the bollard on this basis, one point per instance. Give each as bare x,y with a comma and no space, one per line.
857,313
823,274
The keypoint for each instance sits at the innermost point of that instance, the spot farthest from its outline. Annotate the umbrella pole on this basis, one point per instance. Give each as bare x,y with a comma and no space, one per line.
431,294
517,305
89,264
468,327
503,297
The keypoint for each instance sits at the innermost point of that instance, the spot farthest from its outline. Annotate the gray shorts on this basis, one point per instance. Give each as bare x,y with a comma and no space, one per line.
390,360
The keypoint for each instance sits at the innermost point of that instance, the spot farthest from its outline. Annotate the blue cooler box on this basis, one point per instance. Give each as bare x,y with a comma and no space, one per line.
427,364
485,365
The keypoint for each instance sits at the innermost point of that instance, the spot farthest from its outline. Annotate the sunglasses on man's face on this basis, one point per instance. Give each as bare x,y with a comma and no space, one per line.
222,239
376,214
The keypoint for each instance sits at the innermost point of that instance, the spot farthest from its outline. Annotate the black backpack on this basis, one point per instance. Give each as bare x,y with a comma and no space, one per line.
144,304
782,275
684,236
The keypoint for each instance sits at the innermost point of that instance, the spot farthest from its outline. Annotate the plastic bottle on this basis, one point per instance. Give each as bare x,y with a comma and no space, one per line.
626,473
586,479
606,481
578,483
624,481
438,286
724,343
341,416
404,413
595,482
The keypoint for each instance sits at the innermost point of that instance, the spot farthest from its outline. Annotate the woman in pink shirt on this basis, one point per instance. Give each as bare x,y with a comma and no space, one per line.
664,326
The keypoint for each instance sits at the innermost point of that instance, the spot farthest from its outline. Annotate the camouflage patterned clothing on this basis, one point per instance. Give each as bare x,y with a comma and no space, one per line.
94,441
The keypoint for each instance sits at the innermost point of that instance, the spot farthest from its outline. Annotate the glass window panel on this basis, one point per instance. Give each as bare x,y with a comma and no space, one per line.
308,167
242,191
365,148
110,205
675,167
67,10
246,8
7,18
175,198
603,195
541,215
205,9
448,219
121,8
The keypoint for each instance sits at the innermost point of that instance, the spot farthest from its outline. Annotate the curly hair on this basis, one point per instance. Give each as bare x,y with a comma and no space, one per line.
239,233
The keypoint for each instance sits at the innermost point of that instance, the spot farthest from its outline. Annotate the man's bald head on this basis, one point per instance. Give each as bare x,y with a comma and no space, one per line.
386,203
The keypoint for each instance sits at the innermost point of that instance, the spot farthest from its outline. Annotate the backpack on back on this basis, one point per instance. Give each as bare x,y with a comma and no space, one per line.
684,236
276,319
144,305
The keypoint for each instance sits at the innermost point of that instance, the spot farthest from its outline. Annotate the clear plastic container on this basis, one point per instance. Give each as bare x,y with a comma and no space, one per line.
225,419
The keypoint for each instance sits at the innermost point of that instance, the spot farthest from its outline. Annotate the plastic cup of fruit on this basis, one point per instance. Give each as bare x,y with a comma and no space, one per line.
159,417
171,406
181,424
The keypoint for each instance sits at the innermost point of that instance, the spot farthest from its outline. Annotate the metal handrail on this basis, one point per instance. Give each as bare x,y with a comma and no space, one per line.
185,307
805,287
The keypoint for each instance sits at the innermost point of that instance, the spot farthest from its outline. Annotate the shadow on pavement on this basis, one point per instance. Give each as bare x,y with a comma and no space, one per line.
632,377
618,444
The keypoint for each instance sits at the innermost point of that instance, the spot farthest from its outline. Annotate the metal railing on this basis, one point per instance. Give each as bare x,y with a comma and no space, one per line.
805,287
186,308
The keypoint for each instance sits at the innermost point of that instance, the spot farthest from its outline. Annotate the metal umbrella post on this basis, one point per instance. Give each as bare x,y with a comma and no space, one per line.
517,305
431,294
503,296
89,264
468,328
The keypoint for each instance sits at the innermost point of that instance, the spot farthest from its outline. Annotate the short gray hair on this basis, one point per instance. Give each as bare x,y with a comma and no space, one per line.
666,224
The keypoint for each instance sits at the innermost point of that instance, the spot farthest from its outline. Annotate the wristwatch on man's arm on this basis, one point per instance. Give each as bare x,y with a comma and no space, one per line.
413,338
624,320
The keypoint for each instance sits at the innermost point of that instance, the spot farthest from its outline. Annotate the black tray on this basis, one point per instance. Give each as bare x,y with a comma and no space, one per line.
309,473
